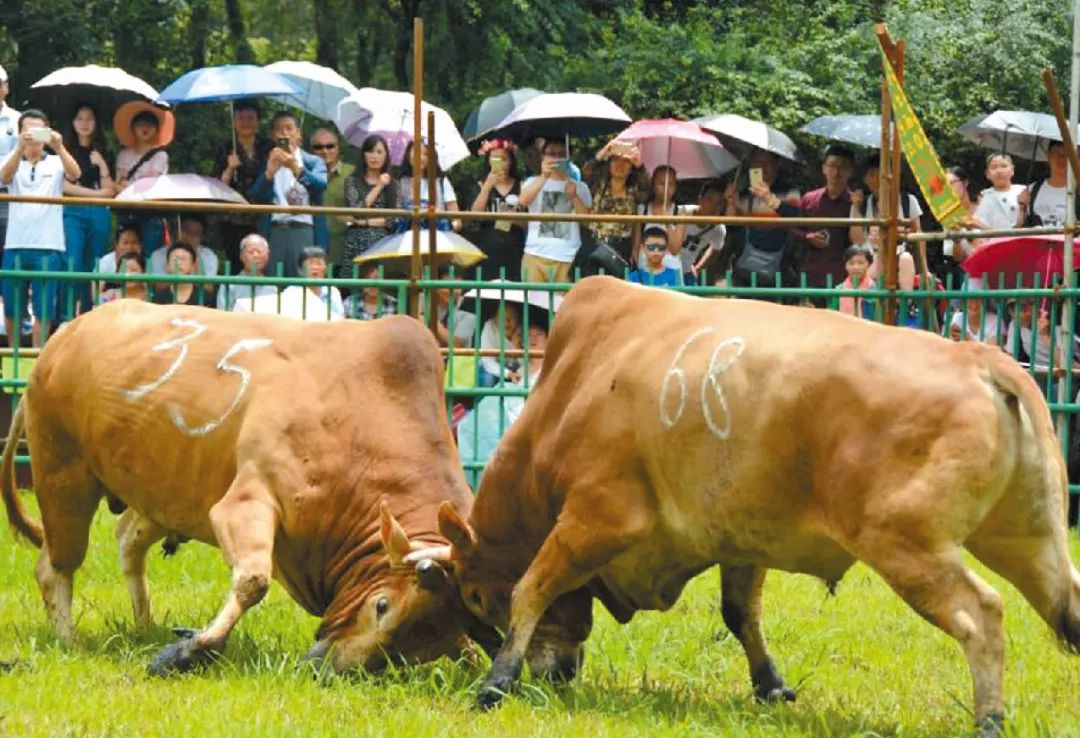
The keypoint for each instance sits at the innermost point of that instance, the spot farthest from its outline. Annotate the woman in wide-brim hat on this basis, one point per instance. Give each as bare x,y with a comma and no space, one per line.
145,130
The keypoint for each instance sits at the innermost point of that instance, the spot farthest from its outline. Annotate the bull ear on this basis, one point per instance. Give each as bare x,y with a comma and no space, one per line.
455,529
394,539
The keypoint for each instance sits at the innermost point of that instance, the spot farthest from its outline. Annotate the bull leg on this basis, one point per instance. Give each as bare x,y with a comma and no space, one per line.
570,556
244,522
67,495
135,535
939,587
741,588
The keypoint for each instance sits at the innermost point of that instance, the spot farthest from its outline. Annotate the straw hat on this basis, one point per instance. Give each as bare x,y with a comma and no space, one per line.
127,112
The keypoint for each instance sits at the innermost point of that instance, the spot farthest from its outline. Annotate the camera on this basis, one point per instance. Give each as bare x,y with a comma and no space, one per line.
44,135
283,143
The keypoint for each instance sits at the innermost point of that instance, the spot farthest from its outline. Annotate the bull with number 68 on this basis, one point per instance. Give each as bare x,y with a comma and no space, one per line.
312,453
670,433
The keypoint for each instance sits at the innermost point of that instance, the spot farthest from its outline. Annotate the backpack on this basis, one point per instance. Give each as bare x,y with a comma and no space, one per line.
1032,218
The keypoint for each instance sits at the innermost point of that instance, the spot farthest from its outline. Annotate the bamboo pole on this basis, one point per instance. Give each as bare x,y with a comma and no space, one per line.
433,221
415,266
889,187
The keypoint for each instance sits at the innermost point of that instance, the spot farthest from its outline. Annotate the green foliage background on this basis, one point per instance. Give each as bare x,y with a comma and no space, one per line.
774,60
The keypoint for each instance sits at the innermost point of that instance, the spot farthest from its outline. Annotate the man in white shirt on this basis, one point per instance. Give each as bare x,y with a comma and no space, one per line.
1048,197
254,255
9,140
35,232
550,246
191,231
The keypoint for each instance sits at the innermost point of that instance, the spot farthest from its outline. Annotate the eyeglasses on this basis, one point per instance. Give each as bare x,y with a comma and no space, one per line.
655,247
323,147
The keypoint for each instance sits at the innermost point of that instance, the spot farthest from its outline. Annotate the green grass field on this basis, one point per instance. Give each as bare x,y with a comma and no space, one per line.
863,663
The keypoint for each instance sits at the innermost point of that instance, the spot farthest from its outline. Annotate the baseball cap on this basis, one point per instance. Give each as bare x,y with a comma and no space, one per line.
3,75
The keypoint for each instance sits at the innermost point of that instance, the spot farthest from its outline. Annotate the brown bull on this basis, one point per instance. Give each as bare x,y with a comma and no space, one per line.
670,433
290,445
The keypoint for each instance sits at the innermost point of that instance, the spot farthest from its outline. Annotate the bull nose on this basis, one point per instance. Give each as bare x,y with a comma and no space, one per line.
316,658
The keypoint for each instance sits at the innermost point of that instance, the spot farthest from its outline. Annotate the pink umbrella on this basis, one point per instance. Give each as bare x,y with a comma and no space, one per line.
691,151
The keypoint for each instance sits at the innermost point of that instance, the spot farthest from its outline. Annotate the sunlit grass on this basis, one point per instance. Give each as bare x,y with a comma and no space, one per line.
863,663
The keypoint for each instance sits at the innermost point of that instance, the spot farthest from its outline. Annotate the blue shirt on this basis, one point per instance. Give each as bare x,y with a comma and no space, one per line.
669,277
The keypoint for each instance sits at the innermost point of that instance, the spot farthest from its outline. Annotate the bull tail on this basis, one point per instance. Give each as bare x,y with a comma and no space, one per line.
23,525
1046,551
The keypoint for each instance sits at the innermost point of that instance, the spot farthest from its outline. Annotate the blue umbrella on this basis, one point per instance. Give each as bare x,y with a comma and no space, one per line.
861,130
230,82
226,84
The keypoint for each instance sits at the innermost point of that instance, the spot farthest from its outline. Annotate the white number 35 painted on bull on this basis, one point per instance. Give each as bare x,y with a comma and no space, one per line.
224,364
719,362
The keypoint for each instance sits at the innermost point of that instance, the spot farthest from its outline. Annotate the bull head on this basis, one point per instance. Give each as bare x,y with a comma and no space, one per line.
410,612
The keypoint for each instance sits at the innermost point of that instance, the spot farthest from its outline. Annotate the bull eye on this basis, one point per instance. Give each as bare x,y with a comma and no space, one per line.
381,606
476,600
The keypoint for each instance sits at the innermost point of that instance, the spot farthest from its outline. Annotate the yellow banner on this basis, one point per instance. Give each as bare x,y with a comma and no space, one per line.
920,155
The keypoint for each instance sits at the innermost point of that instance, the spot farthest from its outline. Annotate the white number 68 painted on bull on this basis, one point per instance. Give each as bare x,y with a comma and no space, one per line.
710,380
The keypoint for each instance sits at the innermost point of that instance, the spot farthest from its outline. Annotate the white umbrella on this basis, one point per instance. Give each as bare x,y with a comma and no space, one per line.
861,130
750,132
501,290
1018,132
321,87
390,115
563,114
106,88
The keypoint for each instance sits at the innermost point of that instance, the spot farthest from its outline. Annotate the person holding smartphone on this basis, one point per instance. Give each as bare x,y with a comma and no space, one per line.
290,177
502,240
35,232
550,246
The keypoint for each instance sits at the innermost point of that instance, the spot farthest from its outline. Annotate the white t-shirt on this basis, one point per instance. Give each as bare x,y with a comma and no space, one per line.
9,131
207,261
914,209
33,225
446,192
1042,346
988,328
998,210
1050,205
152,167
489,339
289,191
555,240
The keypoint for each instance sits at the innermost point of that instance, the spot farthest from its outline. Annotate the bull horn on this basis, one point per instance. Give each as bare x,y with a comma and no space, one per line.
439,554
430,574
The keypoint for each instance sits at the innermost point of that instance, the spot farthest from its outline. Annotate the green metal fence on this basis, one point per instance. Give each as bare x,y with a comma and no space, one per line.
481,413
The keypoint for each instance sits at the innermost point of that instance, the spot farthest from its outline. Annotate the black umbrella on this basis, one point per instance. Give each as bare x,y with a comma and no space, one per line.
106,88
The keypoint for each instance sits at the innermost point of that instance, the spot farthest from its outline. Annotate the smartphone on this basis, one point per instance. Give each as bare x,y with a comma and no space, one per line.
756,176
563,165
41,134
283,143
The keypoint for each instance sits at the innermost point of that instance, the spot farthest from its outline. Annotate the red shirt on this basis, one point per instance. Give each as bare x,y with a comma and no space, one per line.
819,263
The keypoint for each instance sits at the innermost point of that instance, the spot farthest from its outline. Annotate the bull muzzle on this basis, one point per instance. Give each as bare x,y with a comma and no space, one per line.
317,658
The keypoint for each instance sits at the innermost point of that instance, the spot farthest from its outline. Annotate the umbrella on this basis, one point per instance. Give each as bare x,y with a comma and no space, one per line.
731,127
390,115
693,153
229,82
106,88
861,130
499,290
180,187
1000,260
395,251
563,114
1017,132
322,87
490,113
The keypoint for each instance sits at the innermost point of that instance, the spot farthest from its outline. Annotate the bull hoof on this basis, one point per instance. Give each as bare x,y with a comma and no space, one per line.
179,657
492,692
782,693
992,726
